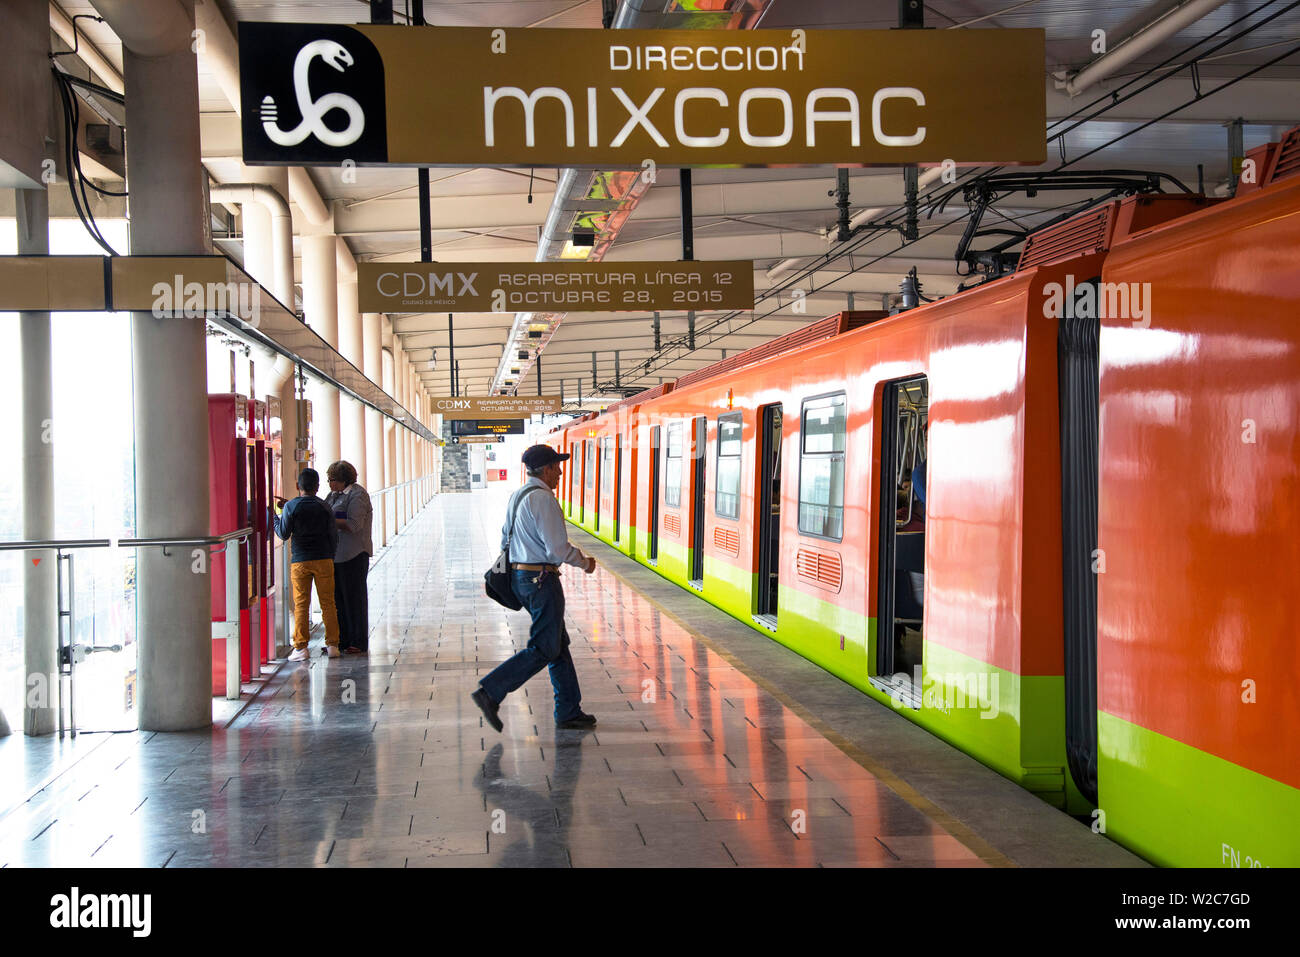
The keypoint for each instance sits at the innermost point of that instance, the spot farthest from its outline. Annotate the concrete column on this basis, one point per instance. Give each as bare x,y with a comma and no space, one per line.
173,601
386,366
352,421
40,611
282,383
413,499
390,471
281,236
372,366
428,467
399,466
268,233
403,447
259,255
407,435
320,308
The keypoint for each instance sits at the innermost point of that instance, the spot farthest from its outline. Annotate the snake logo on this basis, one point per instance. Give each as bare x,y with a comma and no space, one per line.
329,107
313,111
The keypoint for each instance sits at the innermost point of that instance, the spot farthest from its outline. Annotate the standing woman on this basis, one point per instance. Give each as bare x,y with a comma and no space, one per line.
351,507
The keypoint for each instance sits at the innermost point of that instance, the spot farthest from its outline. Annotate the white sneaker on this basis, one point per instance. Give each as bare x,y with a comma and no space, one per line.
333,651
298,654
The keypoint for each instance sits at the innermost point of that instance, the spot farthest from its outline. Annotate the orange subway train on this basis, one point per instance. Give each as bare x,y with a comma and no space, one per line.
1091,588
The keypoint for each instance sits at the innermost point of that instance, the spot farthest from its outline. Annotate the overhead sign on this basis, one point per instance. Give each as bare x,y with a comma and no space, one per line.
487,427
633,99
555,286
495,406
473,439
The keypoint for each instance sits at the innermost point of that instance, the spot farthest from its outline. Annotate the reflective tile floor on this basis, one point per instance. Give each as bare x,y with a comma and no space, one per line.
385,761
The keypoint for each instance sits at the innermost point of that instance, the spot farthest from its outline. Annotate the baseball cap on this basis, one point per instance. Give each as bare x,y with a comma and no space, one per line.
540,456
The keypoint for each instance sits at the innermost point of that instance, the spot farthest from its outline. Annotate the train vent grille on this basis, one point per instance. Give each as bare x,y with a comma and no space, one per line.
726,540
823,568
661,389
828,328
1084,234
673,525
1287,161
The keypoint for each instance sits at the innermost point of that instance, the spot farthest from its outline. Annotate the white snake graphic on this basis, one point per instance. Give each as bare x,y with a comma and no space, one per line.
313,111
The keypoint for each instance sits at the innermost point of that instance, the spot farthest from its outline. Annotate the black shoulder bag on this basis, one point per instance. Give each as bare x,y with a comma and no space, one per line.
496,580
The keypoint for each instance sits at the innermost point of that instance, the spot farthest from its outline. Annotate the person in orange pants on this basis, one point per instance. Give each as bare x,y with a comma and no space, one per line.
310,523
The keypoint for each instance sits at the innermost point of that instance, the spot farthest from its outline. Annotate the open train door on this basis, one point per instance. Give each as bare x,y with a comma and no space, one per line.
767,523
652,555
900,596
699,455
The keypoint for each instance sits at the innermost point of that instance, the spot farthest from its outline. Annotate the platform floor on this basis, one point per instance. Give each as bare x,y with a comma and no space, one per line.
715,747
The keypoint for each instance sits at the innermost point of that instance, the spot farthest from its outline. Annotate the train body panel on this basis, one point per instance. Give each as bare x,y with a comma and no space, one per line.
1171,708
979,673
1199,520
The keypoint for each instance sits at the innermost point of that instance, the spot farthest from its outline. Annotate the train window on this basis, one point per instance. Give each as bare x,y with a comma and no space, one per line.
821,467
606,467
727,503
591,465
673,467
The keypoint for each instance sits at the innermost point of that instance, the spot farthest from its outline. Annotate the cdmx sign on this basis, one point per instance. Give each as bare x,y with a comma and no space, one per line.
457,96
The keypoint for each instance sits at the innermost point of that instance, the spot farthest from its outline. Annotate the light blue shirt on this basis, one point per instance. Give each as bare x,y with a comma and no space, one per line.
540,537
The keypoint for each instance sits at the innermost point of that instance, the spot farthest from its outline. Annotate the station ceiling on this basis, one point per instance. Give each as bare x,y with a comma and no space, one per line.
769,216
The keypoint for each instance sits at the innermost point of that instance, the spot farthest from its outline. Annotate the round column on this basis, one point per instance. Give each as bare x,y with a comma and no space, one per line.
173,592
320,309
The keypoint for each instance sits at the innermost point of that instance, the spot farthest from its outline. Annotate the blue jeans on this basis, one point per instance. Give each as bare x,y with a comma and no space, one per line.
548,646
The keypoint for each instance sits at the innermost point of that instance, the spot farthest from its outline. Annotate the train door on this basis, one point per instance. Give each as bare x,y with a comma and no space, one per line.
590,491
618,485
767,523
582,483
900,613
653,553
573,466
600,480
1079,388
699,455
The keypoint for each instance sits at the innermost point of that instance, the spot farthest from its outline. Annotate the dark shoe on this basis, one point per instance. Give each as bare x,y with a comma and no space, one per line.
578,722
489,708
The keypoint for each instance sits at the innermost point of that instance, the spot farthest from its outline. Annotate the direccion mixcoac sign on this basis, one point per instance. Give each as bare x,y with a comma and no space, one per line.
469,96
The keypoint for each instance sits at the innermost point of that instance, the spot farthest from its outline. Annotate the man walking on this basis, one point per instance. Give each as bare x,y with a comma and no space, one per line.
538,546
315,540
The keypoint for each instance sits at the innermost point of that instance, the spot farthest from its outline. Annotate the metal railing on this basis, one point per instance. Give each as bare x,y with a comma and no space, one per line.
228,631
376,496
68,650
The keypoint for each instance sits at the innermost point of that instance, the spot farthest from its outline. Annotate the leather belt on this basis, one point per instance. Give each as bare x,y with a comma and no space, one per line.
536,568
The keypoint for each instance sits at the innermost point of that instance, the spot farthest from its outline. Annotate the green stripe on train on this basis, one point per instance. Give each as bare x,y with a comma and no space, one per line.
1014,724
1182,807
